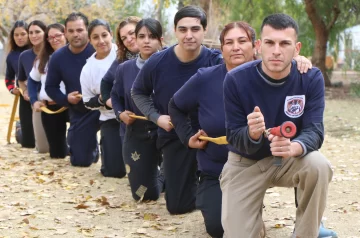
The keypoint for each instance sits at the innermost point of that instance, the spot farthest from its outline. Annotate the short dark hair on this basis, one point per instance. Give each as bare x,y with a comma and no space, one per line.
12,44
152,25
75,16
191,11
39,24
98,22
280,21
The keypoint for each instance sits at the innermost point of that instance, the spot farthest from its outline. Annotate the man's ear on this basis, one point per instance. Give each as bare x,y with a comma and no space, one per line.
297,48
258,46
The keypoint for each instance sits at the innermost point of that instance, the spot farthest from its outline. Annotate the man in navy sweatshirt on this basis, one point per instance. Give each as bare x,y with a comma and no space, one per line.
263,94
66,65
162,75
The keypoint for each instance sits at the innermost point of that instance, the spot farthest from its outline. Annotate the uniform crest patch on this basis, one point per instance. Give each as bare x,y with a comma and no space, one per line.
294,106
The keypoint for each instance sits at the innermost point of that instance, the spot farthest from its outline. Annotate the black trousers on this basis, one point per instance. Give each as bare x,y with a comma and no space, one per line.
142,157
112,164
82,139
180,177
208,201
27,130
55,130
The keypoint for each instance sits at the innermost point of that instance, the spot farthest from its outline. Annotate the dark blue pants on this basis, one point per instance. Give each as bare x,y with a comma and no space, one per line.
82,137
27,130
142,157
208,201
112,164
180,177
55,130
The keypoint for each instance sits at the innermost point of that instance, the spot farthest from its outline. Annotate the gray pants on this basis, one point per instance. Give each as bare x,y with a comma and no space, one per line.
245,181
41,142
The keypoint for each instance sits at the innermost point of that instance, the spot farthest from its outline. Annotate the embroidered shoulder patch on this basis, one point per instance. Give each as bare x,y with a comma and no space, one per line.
294,106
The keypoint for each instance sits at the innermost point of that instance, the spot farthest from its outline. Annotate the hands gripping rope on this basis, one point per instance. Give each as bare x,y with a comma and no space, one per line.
286,129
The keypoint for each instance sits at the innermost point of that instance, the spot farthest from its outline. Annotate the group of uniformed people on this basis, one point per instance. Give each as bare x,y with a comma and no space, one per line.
155,106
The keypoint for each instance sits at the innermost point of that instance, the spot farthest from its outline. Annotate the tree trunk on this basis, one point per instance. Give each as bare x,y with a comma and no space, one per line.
319,54
322,32
181,4
159,11
204,4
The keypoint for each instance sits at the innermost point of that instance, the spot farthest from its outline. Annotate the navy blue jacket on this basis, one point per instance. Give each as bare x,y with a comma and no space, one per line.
298,98
26,62
203,92
66,66
120,93
163,74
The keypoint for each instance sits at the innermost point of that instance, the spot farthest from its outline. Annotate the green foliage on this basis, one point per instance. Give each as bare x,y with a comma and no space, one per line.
254,12
355,89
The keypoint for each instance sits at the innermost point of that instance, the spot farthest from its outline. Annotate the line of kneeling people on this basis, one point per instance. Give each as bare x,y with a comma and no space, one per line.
184,91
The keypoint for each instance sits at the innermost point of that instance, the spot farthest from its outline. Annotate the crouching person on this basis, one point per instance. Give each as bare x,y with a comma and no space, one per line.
263,94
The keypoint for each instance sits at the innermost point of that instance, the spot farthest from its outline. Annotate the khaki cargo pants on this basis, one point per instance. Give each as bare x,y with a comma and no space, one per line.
244,183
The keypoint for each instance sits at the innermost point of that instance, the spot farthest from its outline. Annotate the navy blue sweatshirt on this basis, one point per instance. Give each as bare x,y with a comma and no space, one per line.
298,98
164,74
12,67
120,93
26,62
203,92
66,66
108,80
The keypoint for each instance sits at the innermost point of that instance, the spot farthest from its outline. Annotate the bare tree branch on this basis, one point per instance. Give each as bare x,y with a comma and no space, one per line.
4,31
313,14
336,11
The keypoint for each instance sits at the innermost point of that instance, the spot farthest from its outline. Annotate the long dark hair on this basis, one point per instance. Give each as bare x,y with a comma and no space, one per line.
152,25
46,49
250,32
98,22
39,24
122,50
12,45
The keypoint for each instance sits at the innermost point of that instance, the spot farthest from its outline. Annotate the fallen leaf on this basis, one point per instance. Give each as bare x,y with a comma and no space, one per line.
25,220
81,206
171,228
60,232
150,216
279,225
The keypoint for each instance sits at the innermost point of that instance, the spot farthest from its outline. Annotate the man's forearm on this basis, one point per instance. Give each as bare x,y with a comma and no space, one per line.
241,140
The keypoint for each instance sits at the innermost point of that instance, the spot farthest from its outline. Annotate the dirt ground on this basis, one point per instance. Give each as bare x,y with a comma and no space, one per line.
40,197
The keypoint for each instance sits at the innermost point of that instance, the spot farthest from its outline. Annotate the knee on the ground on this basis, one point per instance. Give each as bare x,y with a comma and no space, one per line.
113,174
177,210
148,196
214,229
82,163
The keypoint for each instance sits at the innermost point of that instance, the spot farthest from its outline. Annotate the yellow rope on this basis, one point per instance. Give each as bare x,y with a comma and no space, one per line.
48,111
12,117
218,140
137,117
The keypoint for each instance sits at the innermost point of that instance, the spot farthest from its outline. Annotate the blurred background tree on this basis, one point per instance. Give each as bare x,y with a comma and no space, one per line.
321,22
